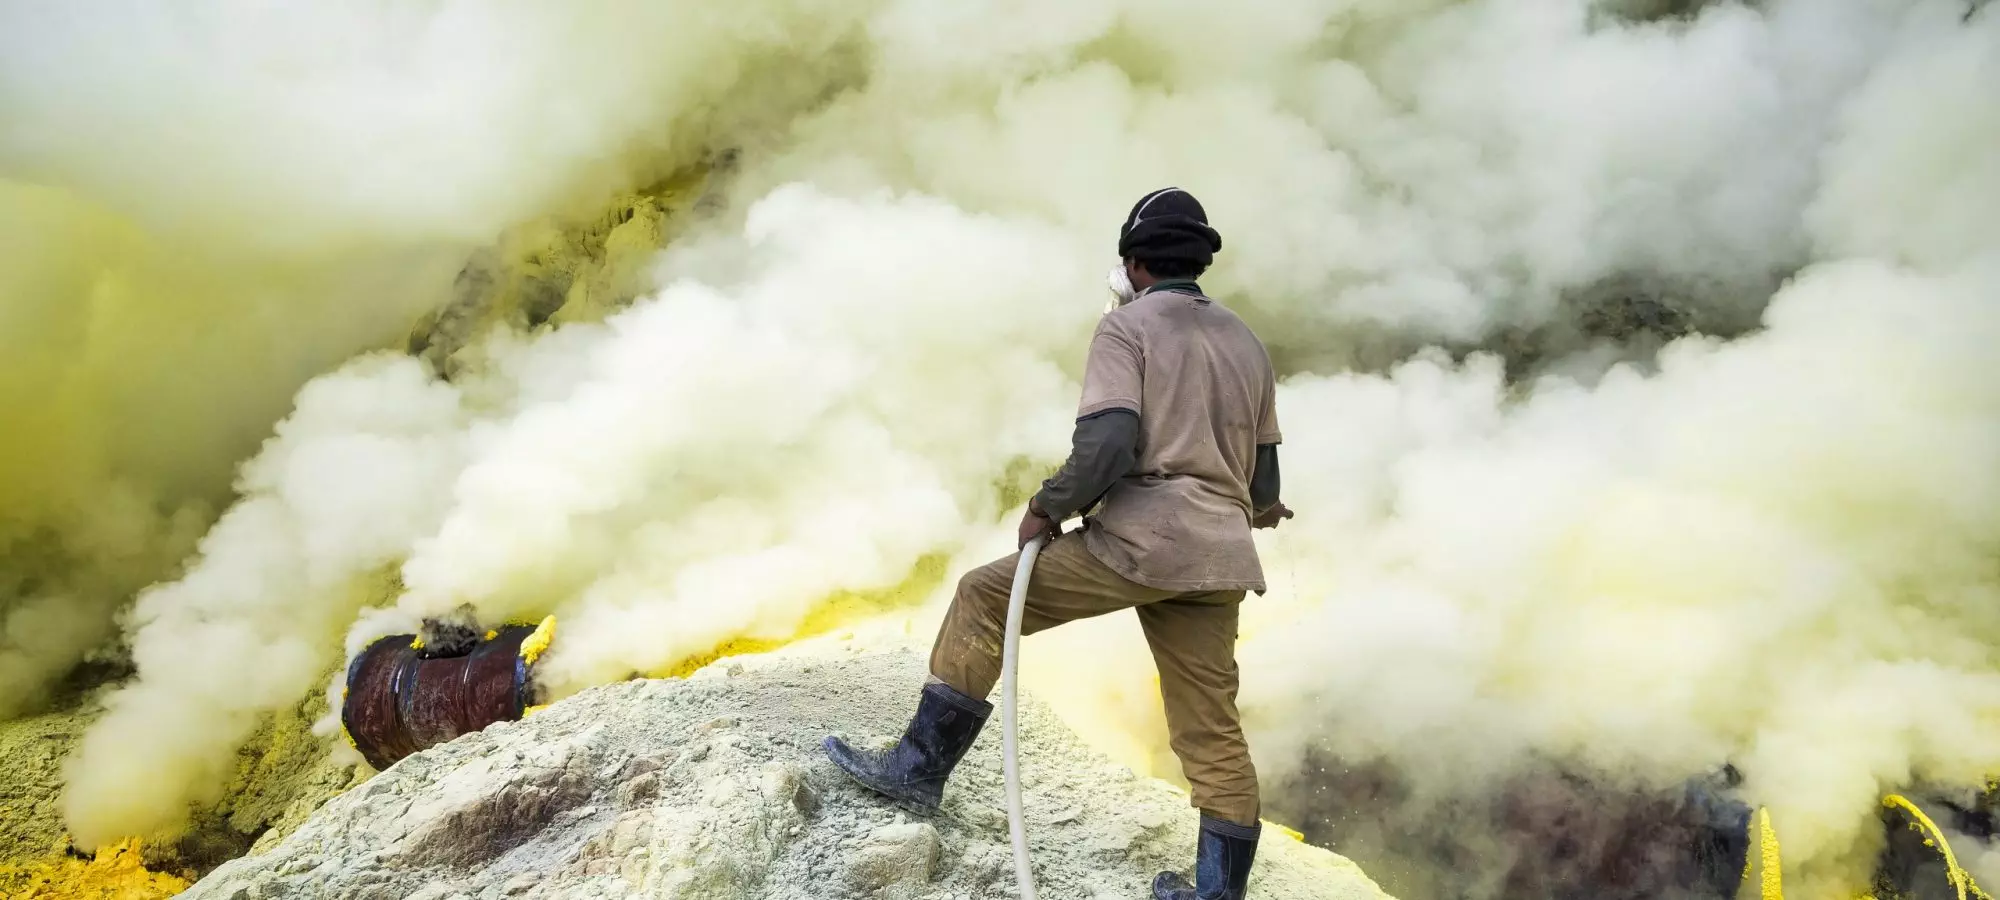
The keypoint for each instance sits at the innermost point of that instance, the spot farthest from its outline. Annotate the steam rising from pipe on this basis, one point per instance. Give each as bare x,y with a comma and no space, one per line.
1770,542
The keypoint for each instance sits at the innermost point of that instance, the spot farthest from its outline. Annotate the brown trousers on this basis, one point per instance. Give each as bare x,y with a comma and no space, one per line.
1193,638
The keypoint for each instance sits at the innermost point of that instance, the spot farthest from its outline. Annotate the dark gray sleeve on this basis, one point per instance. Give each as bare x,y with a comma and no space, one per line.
1104,447
1264,479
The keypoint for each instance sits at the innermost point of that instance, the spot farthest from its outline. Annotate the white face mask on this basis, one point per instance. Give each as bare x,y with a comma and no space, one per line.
1121,287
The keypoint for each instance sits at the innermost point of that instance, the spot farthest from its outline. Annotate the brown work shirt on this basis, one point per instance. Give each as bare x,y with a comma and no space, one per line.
1202,385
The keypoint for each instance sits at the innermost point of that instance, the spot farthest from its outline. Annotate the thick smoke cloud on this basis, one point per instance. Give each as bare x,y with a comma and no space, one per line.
329,505
135,368
301,128
1769,545
204,205
693,469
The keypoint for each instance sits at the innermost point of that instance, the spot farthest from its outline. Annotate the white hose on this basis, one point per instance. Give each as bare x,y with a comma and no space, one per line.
1009,658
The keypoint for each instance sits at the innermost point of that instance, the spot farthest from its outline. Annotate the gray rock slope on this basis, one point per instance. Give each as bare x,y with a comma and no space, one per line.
713,788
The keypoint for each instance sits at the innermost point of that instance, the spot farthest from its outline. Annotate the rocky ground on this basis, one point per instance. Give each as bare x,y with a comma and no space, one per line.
713,787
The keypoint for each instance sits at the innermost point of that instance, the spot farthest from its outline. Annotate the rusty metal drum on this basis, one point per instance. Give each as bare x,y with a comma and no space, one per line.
400,701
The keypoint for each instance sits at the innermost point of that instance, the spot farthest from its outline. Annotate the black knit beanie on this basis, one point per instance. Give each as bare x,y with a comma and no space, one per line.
1168,224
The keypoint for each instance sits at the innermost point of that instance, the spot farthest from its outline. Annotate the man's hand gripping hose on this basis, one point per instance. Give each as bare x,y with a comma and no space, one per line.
1009,666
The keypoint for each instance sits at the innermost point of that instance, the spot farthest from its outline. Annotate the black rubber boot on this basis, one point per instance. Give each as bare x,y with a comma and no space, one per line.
913,772
1221,864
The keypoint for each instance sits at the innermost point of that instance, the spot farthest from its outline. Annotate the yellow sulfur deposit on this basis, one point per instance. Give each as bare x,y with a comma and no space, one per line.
281,775
559,270
534,645
839,610
733,647
115,874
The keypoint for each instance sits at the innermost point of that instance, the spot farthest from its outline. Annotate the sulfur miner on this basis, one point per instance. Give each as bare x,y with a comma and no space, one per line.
1174,461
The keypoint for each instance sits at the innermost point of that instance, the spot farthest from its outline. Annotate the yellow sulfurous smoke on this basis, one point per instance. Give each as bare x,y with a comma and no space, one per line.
1768,543
131,372
202,207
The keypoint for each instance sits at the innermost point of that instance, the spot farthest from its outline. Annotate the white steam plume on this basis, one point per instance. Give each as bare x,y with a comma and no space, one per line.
721,457
1655,570
353,476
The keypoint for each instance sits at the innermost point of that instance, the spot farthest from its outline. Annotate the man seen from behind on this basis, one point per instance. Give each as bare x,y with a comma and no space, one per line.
1174,460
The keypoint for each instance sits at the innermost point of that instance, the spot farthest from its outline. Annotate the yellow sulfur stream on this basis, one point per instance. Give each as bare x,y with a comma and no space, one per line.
1768,861
1961,880
1287,832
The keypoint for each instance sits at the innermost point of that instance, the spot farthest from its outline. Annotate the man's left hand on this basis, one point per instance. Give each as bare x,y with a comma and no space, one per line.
1034,525
1271,517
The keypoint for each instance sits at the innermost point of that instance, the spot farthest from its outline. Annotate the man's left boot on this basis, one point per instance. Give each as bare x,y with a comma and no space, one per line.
913,772
1221,864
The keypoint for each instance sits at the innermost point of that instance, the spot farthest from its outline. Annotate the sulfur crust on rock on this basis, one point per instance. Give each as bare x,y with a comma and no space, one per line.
31,755
557,271
714,786
282,775
116,873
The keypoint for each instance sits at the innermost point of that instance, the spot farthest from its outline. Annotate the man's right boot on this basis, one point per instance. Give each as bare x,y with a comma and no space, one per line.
1221,864
914,771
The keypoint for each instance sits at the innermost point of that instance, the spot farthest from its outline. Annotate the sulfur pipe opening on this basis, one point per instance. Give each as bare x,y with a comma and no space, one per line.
404,694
